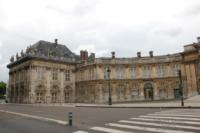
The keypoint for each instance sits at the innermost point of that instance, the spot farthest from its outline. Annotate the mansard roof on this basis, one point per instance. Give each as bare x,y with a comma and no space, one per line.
46,48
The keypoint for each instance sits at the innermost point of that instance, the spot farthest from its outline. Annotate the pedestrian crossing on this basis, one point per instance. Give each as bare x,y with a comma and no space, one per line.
169,121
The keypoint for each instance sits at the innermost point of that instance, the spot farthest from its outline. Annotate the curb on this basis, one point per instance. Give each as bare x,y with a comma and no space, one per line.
161,107
37,117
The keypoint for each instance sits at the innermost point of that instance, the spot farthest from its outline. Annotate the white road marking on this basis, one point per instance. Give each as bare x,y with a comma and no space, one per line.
80,132
181,113
109,130
36,117
196,116
175,118
169,121
160,125
146,128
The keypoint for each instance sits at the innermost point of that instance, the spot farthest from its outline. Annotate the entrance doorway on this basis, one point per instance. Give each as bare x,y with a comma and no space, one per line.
148,91
177,93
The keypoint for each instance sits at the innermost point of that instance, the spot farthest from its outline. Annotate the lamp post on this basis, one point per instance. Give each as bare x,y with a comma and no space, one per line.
181,87
109,88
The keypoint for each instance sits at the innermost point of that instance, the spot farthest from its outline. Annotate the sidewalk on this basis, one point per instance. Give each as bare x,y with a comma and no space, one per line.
193,102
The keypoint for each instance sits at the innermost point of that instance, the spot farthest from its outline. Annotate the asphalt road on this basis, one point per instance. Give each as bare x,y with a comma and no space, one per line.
81,116
17,124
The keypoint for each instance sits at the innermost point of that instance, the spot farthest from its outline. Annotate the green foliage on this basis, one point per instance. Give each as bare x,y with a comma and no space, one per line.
2,90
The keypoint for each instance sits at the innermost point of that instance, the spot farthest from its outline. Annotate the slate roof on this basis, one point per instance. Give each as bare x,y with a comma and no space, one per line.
46,48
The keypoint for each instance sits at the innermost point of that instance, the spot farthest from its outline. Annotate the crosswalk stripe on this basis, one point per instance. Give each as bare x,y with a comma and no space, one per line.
146,128
174,111
176,118
196,116
181,113
109,130
80,132
160,125
169,121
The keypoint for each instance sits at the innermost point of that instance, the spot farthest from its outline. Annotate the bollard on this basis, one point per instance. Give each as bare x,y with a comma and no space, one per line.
70,118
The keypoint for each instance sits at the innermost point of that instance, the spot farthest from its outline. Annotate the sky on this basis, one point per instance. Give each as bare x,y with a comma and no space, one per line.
100,26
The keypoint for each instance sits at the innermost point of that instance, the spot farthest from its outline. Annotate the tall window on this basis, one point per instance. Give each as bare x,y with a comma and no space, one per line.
161,71
147,71
40,73
120,72
55,75
39,97
90,73
67,75
175,68
133,72
105,72
81,74
53,97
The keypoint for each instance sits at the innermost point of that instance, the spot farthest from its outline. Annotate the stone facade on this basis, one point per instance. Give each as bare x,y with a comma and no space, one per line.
50,73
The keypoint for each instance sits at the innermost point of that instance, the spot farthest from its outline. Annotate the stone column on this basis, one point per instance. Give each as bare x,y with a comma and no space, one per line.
100,93
141,91
62,80
48,85
155,90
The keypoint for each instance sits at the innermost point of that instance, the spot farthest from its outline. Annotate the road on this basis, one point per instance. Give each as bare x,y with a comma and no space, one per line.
95,120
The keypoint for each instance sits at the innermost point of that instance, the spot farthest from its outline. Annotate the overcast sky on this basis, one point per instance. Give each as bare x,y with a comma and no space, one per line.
100,26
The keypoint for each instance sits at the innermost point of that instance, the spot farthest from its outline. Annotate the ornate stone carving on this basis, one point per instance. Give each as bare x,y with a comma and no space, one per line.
22,53
17,56
12,59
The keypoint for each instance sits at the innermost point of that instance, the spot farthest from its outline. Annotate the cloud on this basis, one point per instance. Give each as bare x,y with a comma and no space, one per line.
91,49
100,26
4,72
77,7
193,10
168,31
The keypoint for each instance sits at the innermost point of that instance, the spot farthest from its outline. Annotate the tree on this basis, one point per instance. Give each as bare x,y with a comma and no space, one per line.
2,89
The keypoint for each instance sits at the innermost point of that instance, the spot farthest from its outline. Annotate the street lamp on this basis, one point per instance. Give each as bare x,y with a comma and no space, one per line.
109,88
181,87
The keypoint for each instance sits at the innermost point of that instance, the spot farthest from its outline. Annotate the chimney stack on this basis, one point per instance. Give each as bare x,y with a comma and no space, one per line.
84,54
92,55
151,54
56,41
113,54
138,54
198,39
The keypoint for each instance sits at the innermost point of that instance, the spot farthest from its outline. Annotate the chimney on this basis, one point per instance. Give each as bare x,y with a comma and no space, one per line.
198,39
92,55
151,54
84,54
113,54
56,41
138,54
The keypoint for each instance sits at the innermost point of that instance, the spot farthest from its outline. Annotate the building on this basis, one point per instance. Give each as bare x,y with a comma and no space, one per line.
50,73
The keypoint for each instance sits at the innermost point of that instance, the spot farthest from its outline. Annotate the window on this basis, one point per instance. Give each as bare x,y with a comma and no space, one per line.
175,68
67,75
106,72
39,97
90,73
160,71
40,73
121,92
120,73
147,71
81,74
135,93
53,97
55,75
133,72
